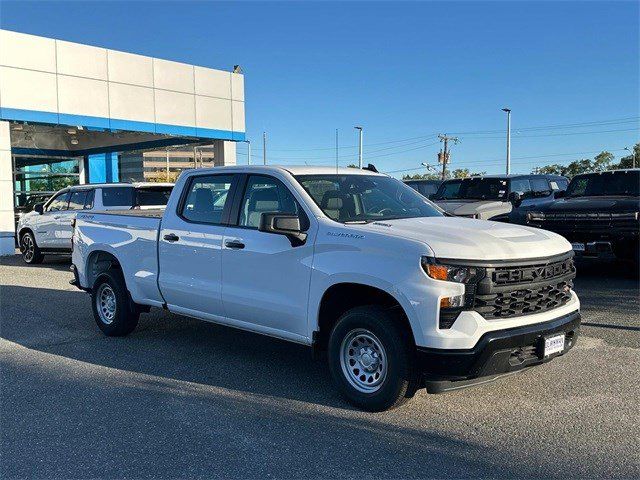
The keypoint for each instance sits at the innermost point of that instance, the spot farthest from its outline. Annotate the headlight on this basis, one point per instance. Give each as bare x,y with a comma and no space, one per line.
535,217
448,273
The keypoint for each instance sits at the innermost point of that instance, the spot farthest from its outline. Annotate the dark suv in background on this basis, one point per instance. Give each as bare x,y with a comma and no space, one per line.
505,198
426,188
598,214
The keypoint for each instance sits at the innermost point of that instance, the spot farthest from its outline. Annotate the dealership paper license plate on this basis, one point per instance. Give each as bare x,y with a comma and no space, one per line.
578,247
553,344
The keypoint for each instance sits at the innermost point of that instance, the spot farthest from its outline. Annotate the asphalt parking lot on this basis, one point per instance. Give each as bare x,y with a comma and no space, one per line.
183,398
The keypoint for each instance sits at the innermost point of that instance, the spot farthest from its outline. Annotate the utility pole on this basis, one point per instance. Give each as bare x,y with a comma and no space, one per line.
336,150
264,147
443,157
508,110
248,142
360,147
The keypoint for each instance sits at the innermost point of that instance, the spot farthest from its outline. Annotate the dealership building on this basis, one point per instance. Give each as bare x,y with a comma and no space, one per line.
73,114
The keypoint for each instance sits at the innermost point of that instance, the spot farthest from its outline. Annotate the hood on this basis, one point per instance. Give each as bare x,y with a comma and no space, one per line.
484,209
469,239
612,204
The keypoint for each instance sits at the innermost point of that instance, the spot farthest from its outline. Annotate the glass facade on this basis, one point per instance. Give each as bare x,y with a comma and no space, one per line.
37,177
163,165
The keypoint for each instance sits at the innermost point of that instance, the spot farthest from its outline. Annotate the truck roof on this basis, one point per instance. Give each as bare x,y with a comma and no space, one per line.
510,176
292,169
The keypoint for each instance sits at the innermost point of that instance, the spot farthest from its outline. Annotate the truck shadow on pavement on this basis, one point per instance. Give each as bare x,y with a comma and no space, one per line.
55,262
190,399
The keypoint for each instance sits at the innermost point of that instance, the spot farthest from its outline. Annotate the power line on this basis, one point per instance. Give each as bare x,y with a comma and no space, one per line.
622,120
501,161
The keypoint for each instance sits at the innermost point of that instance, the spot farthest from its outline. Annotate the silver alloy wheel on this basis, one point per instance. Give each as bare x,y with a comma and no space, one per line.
106,303
28,248
363,360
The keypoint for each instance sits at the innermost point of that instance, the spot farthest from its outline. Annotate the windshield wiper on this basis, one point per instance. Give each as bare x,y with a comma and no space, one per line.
358,222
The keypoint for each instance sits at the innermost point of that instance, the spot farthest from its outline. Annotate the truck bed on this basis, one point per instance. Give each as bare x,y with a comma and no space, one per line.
129,235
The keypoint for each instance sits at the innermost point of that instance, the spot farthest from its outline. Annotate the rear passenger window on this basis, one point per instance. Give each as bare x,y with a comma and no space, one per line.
77,200
540,186
206,198
117,197
521,186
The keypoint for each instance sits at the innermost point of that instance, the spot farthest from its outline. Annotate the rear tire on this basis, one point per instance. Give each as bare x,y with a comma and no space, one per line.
372,359
31,254
114,311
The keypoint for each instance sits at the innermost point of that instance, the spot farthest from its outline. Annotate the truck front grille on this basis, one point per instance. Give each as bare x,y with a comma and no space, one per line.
516,290
523,301
576,222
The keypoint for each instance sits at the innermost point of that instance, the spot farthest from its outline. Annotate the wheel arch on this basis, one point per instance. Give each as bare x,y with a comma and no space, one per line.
98,262
25,229
342,296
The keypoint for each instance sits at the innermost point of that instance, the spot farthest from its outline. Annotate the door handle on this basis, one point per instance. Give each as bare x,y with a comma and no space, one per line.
234,244
171,237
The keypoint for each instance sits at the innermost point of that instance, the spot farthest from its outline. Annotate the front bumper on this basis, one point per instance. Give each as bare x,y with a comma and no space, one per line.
496,354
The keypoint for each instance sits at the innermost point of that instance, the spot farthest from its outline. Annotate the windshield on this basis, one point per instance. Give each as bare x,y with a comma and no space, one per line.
366,198
608,183
473,189
153,196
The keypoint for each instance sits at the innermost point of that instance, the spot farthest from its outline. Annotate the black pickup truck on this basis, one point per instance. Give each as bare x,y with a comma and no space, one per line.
598,214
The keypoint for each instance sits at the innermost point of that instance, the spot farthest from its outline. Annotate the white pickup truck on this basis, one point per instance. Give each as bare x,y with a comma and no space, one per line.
350,262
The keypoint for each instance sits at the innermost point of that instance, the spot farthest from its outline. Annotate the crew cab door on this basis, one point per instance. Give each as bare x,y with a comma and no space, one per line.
265,277
46,225
190,246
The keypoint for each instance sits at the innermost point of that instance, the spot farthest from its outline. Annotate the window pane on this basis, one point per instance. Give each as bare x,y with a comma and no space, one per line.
207,198
520,186
88,203
540,185
117,197
77,200
265,194
364,198
153,196
59,203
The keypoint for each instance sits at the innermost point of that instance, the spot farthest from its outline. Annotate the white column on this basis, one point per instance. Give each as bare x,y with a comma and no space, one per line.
224,153
82,177
7,226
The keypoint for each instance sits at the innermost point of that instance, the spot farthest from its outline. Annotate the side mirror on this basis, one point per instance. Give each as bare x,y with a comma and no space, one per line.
283,224
39,207
559,193
515,199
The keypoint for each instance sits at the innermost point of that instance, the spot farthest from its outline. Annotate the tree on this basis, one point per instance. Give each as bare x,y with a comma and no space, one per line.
465,173
600,163
627,162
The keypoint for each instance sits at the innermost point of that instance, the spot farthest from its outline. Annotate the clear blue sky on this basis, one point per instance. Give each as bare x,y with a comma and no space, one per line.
404,71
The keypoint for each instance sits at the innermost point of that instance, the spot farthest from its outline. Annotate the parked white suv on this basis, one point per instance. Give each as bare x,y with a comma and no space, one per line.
48,228
348,261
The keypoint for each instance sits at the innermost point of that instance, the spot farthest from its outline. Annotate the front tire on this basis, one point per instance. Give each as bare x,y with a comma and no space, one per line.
372,359
113,310
31,254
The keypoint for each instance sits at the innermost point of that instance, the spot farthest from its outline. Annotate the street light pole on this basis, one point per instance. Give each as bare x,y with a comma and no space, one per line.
264,147
359,147
508,139
633,154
